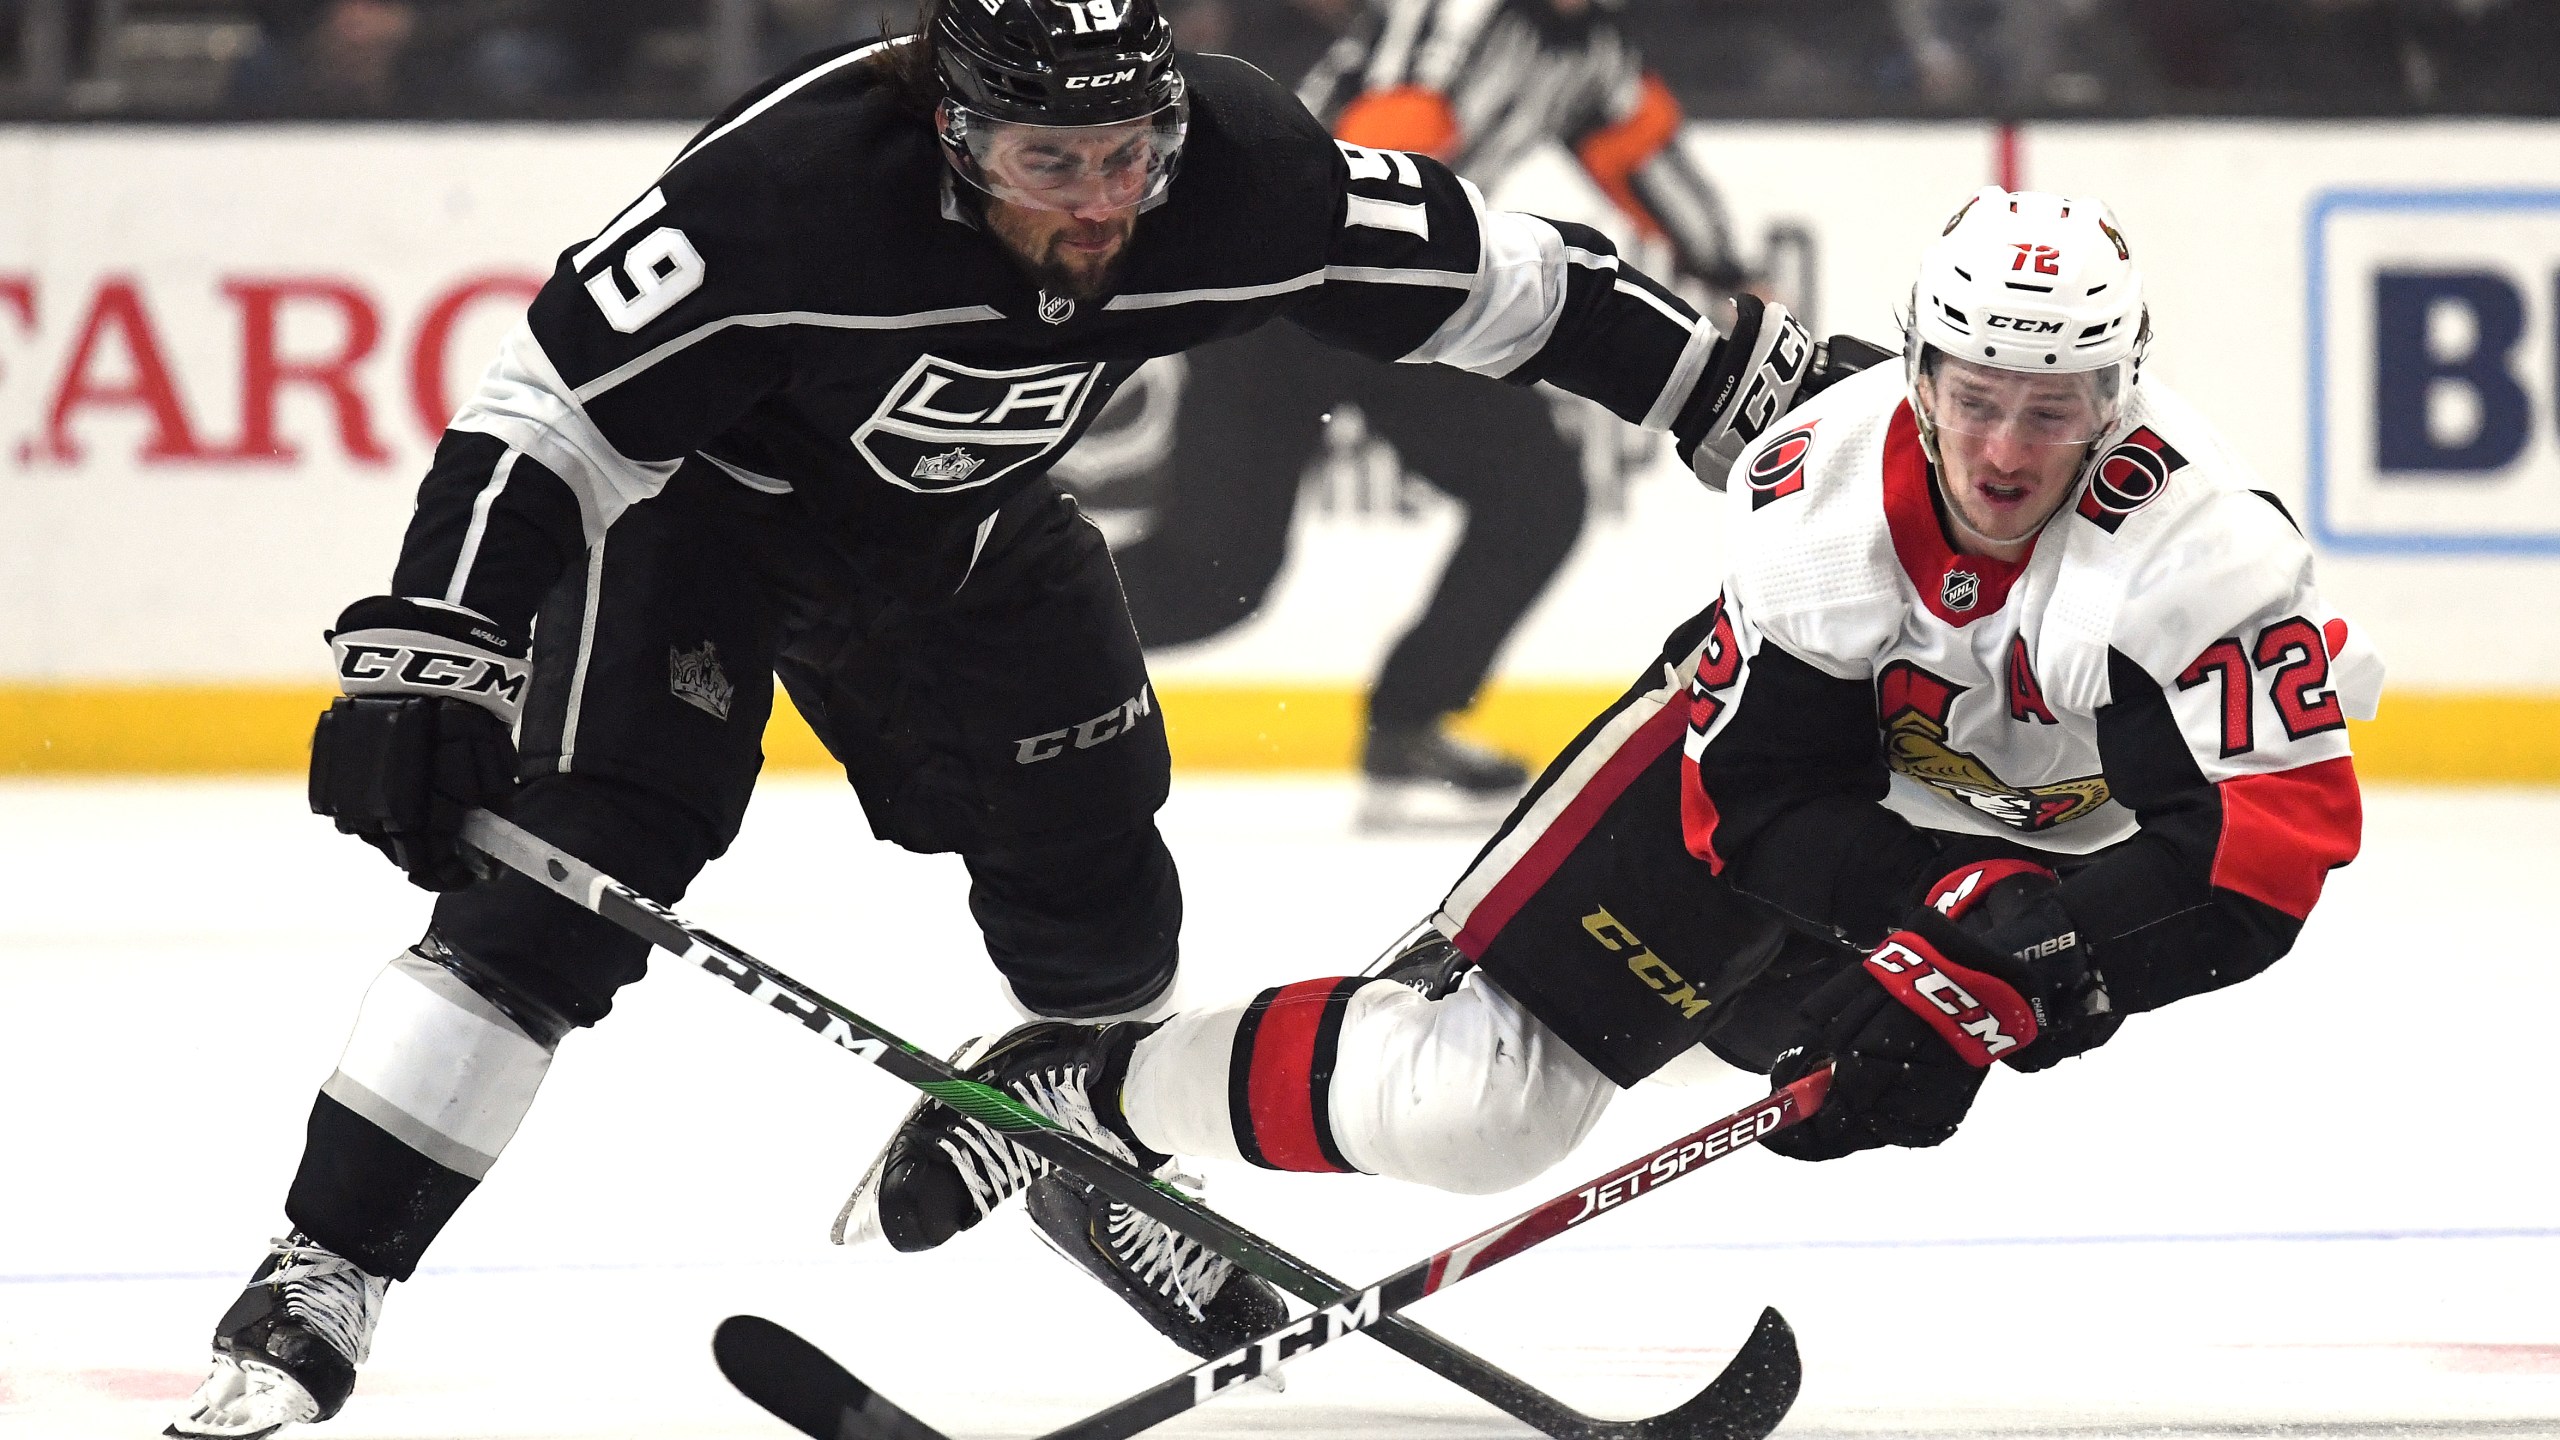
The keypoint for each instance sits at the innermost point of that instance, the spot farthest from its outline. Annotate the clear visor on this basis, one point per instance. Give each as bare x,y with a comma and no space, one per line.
1118,166
2025,407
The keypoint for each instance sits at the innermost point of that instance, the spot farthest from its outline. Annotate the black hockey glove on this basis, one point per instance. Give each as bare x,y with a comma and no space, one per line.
1988,968
1758,367
1767,367
422,735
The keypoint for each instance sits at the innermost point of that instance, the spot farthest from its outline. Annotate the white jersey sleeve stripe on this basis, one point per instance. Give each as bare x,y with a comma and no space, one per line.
479,524
959,315
1219,295
648,205
785,92
1684,376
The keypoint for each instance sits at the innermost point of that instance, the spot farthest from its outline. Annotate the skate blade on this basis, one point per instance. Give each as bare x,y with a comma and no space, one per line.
858,1223
1430,807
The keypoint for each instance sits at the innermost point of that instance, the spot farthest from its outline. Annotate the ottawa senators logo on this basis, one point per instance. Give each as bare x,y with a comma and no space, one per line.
1778,470
2129,477
1912,706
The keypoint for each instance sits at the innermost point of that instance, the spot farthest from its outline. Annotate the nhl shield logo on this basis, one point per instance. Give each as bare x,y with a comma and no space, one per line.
695,677
1057,309
952,467
1960,590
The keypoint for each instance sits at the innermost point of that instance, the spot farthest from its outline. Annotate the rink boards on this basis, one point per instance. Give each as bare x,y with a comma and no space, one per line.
225,354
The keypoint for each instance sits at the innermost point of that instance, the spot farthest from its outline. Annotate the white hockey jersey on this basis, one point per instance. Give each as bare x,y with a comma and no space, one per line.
2160,667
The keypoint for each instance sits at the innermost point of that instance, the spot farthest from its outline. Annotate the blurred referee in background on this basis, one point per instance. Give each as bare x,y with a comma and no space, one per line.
1482,86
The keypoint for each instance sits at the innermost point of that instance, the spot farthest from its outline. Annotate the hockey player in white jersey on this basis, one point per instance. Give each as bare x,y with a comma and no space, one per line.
2015,684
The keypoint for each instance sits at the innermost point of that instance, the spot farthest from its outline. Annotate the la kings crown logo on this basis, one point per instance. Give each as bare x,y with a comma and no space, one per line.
695,677
950,468
948,426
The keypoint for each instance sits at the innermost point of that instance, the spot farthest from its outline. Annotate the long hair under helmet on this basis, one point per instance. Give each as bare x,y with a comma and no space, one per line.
2033,283
1069,68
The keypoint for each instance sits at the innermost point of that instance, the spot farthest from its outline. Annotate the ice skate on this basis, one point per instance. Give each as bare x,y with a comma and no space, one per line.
1424,778
858,1222
286,1351
942,1172
1196,1298
1425,962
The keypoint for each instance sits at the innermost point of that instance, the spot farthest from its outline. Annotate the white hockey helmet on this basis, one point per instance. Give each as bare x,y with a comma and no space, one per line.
2035,283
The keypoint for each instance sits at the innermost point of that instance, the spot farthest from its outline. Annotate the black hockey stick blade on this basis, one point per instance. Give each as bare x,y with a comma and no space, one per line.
1749,1398
803,1387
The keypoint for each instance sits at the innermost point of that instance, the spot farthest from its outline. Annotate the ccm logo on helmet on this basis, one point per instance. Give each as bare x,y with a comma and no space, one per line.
1101,82
2021,326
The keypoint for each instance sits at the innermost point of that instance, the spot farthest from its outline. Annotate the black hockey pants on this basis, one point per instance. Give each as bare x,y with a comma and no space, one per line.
1012,723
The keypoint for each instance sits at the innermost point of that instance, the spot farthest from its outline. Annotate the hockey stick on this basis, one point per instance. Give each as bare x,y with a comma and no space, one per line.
806,1389
590,889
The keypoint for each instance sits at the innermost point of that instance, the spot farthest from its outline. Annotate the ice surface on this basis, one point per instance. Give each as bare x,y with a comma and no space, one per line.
2320,1204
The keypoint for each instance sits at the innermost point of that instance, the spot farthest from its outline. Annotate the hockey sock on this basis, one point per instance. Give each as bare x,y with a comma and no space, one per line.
1468,1093
434,1081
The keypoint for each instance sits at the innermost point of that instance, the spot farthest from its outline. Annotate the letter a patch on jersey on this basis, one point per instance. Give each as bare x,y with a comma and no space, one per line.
949,426
2026,697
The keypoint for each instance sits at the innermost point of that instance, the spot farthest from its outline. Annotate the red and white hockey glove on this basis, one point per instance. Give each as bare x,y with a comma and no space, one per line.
1989,967
2008,925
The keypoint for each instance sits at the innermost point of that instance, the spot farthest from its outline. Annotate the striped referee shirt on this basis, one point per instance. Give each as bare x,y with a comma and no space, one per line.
1482,84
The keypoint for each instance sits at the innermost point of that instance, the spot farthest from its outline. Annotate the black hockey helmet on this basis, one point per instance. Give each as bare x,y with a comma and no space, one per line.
1064,66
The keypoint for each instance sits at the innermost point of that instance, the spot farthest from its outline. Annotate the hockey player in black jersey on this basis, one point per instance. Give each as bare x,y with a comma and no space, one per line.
791,412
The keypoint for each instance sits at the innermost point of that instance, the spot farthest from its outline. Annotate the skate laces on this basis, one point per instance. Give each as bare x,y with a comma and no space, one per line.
328,1292
1162,1258
994,1168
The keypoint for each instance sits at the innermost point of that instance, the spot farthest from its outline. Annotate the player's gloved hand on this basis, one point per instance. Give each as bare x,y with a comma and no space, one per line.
1769,365
1757,369
422,735
1988,968
2013,909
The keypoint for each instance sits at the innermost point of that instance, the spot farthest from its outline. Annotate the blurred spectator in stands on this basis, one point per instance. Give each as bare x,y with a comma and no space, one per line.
2442,54
337,57
1284,37
1776,57
2008,55
65,51
793,28
2346,57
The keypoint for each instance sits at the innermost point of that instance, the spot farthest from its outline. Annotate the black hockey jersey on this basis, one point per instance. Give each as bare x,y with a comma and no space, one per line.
805,300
